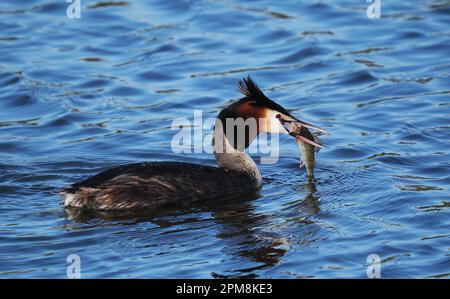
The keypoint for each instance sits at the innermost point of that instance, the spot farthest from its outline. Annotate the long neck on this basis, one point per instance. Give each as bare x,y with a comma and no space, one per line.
230,158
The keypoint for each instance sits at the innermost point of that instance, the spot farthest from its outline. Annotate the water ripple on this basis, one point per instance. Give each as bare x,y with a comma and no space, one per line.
80,95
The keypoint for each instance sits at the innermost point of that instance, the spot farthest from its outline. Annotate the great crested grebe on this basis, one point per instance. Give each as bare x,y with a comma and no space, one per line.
156,184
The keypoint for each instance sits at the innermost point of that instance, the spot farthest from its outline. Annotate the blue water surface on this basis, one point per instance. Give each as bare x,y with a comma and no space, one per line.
80,95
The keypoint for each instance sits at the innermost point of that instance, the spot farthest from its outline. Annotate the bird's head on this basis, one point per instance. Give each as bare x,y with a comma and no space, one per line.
255,113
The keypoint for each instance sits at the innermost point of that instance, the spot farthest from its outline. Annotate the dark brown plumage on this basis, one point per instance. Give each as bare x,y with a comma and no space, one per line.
158,184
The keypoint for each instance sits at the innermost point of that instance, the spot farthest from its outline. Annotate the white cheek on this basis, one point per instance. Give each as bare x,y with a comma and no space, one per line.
272,124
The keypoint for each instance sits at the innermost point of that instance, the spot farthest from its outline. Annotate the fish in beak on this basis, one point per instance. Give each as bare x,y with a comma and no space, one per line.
308,143
299,129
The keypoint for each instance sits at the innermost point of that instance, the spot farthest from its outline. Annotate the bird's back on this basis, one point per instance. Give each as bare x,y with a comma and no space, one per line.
157,184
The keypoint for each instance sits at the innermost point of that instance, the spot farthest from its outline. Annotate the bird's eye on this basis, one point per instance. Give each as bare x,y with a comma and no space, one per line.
278,115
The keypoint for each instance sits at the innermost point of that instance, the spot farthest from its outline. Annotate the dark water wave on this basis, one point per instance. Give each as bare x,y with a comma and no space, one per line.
80,95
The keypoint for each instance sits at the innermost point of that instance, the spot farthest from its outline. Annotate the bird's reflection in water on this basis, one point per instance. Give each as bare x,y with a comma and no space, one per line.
256,238
251,238
251,246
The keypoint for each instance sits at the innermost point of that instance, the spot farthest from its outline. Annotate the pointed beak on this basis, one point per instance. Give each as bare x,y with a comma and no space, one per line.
299,129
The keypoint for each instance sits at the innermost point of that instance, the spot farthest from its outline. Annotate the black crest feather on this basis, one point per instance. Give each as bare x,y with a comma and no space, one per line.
249,88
